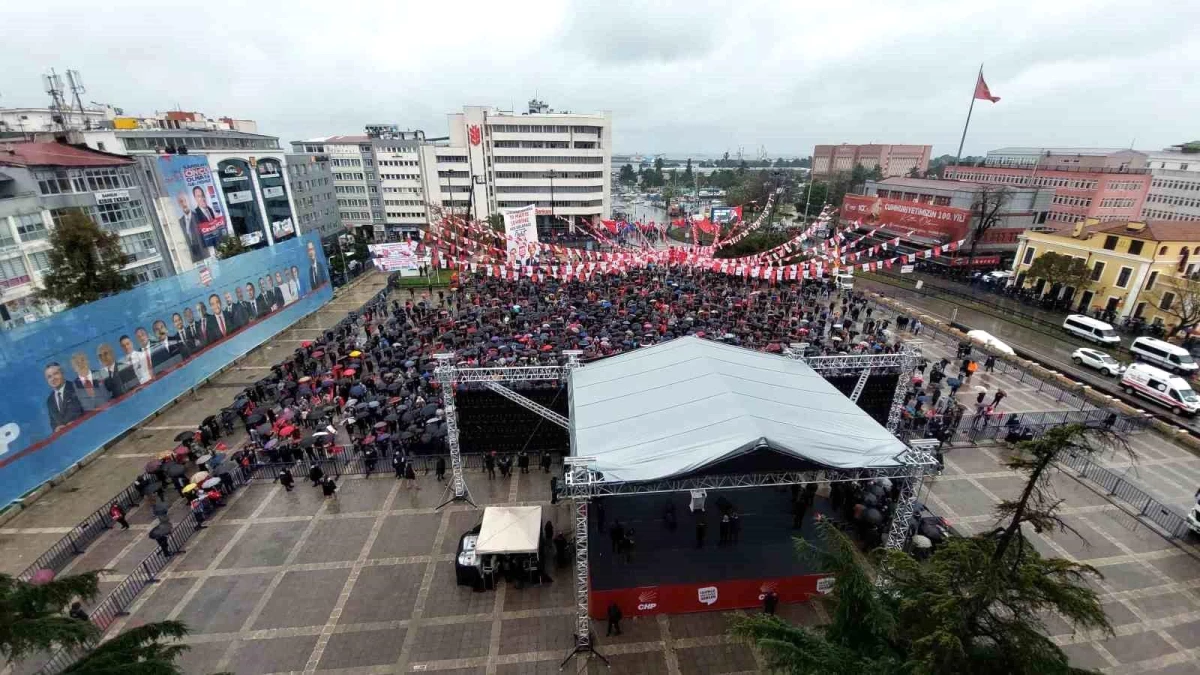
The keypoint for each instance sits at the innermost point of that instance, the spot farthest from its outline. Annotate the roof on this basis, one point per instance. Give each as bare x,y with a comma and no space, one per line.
1155,230
337,139
1085,152
56,154
509,529
681,406
945,184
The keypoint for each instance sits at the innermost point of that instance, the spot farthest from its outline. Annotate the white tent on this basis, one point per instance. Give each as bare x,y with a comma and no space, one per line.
509,529
680,406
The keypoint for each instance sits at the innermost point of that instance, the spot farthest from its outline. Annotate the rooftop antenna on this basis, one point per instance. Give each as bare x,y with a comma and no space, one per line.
53,86
75,82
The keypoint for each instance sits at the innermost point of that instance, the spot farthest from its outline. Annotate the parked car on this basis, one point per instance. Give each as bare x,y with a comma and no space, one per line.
1162,387
1164,355
1193,517
1091,329
1094,358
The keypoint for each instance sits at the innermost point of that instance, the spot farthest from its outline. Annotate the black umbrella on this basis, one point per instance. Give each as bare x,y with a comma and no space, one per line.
429,410
255,419
160,530
175,469
183,436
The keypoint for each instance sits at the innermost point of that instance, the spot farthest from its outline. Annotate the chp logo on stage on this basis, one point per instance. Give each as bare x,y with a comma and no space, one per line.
474,134
647,600
767,587
707,595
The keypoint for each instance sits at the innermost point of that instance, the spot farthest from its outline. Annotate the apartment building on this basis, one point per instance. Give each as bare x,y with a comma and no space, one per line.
1174,186
311,178
892,160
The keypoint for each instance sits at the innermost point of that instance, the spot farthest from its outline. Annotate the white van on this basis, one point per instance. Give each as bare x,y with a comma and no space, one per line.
845,282
1161,387
1163,354
1090,329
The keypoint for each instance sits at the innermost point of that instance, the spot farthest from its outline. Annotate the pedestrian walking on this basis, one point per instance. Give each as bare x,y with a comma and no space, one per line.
972,366
770,601
410,477
1000,394
398,465
990,364
440,469
489,464
546,462
315,474
118,515
614,619
164,544
701,528
723,530
329,487
735,525
523,461
287,480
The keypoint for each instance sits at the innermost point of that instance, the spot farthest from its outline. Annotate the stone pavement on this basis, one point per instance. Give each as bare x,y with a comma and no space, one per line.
45,521
1151,586
364,583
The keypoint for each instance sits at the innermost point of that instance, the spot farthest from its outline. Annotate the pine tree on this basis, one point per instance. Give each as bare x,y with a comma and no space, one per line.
33,618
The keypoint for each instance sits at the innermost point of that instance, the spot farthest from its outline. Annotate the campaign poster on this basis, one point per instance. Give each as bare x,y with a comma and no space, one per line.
395,256
81,378
189,185
725,214
939,223
520,227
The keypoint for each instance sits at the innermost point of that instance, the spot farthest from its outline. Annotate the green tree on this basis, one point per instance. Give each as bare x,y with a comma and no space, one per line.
32,616
688,176
876,173
814,197
86,262
627,175
230,246
974,607
658,165
496,220
1060,270
137,650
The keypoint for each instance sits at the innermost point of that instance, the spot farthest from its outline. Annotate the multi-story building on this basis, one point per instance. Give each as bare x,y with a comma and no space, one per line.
1137,267
1105,184
1020,208
1174,186
558,161
39,182
249,172
35,120
311,178
892,160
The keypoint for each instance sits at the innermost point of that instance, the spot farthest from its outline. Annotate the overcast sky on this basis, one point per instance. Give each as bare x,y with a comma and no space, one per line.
679,77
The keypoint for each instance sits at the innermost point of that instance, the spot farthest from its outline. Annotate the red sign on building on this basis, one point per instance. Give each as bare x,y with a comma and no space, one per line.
473,134
942,223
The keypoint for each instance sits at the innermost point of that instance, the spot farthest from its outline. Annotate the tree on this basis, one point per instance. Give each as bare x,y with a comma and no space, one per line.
688,176
985,210
627,176
914,172
1179,298
973,607
230,246
32,618
496,220
876,173
137,650
86,262
1060,270
658,166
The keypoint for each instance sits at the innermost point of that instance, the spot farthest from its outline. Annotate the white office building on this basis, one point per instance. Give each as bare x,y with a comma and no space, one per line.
1174,186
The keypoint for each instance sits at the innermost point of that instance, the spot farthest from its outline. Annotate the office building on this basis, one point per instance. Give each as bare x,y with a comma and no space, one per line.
892,160
1138,267
39,181
1100,183
311,178
1174,186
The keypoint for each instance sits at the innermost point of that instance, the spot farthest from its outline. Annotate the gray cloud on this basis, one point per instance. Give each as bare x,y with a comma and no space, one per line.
679,77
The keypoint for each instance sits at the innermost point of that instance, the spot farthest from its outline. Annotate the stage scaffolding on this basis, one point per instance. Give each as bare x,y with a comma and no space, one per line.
581,483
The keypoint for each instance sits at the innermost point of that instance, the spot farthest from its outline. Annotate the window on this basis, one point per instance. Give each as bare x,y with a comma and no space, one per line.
31,227
1110,242
1135,246
1151,279
6,235
1097,271
13,272
1029,251
1168,299
1123,277
40,261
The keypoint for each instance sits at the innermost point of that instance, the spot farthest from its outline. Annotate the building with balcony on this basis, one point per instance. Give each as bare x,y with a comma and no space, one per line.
1100,183
39,181
1137,267
892,160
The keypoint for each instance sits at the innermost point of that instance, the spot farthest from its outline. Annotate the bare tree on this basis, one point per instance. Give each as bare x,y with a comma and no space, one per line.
986,210
1179,299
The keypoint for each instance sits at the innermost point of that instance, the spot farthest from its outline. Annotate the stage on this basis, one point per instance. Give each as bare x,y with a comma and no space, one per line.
668,566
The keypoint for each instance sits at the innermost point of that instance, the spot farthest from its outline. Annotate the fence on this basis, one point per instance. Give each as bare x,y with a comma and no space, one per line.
1163,516
118,601
340,465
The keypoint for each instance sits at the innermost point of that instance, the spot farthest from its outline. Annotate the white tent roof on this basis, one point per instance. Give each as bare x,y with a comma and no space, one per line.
679,406
509,529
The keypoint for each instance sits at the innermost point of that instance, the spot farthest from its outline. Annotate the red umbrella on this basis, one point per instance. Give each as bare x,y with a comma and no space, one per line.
349,372
306,344
181,451
287,431
318,354
42,576
369,439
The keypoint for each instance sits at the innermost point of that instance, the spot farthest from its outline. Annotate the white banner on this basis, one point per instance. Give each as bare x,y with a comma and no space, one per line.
520,229
395,256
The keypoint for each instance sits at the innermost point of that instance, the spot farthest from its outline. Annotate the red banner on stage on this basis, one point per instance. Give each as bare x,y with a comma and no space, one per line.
904,218
977,261
705,597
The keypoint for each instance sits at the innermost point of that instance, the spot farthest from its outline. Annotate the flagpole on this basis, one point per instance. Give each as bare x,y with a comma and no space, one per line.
963,140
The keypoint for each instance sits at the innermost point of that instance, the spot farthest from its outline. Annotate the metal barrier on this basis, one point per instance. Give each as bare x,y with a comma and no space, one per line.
340,465
975,429
1165,517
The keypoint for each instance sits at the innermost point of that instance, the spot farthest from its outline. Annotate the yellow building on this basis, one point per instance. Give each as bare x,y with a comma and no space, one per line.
1137,266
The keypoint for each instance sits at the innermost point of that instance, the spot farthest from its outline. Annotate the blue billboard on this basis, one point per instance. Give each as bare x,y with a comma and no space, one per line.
81,378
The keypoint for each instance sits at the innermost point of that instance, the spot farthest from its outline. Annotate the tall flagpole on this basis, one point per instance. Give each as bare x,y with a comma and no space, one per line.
968,123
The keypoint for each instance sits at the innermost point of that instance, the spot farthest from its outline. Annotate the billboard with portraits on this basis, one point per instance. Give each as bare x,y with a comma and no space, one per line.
189,186
83,377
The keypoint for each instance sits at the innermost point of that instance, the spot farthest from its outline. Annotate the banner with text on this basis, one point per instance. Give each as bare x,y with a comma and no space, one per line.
188,183
395,256
520,229
941,223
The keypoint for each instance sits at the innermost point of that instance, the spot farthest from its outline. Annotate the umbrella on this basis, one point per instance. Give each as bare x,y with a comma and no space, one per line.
42,576
174,469
383,437
160,508
270,444
318,354
200,476
255,419
190,487
304,380
210,483
931,530
153,465
307,442
183,436
217,458
355,354
980,390
873,516
349,372
368,440
160,530
180,451
921,541
264,430
870,499
226,468
287,430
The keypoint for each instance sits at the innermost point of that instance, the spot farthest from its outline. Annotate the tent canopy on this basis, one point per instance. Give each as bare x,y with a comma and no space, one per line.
689,405
509,529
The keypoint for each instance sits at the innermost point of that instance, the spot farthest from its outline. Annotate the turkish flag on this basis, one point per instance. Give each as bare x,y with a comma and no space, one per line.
982,92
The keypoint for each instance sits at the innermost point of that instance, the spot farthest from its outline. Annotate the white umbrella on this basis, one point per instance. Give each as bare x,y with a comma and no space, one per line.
921,541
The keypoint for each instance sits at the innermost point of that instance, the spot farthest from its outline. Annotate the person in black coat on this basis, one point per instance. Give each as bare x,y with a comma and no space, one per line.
329,487
614,619
440,469
286,480
315,474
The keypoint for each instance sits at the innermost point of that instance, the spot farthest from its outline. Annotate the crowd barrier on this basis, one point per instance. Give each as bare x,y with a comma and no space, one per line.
1165,517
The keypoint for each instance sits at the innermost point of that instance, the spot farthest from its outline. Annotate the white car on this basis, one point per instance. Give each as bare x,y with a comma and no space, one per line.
1102,362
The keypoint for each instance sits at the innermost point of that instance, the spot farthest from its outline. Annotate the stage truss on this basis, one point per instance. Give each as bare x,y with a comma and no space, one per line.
581,483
